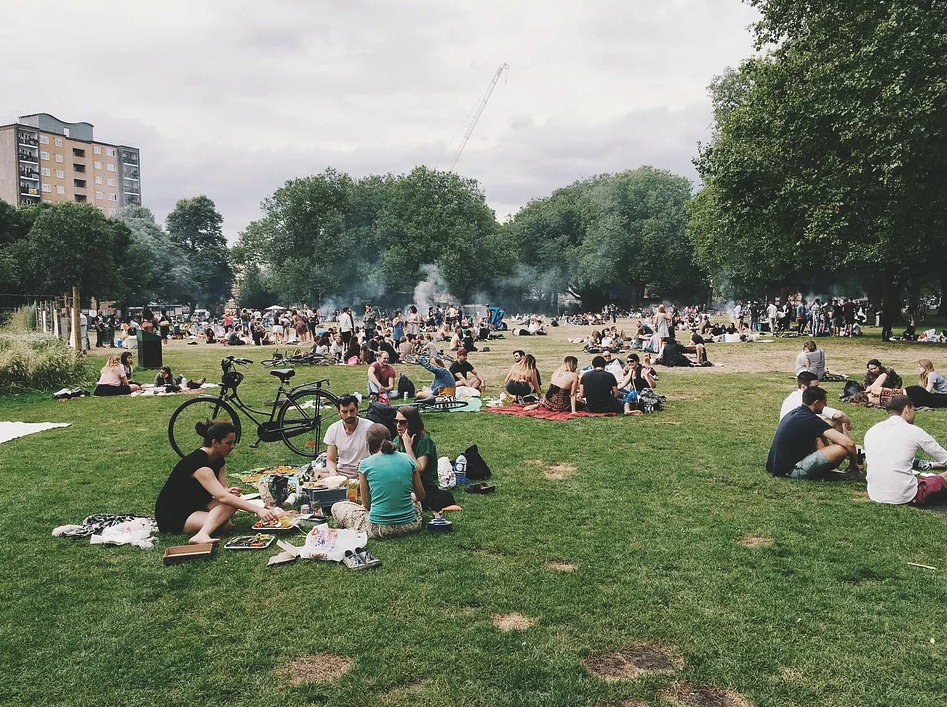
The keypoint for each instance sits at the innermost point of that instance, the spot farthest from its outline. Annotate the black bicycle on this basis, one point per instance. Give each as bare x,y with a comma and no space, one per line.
298,358
295,416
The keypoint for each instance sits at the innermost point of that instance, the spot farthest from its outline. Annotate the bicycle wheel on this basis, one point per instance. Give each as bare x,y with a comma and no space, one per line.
300,420
181,433
441,405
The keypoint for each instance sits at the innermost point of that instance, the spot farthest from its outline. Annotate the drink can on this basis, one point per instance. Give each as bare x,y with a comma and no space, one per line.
353,491
305,509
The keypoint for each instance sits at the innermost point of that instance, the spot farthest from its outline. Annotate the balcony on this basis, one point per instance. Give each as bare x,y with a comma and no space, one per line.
130,172
130,188
81,198
78,167
28,157
76,152
79,183
28,189
30,140
28,172
130,158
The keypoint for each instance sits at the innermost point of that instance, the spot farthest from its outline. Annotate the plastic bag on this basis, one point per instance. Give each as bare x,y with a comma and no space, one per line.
133,532
325,543
446,478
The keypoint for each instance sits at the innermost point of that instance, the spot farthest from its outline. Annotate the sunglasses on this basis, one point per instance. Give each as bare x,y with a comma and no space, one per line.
400,422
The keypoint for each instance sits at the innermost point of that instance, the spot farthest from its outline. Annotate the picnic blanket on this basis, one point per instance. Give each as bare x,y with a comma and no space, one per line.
150,391
12,430
544,414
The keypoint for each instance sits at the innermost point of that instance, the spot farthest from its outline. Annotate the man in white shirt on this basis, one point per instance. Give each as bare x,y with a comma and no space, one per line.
836,418
346,325
347,439
771,312
890,447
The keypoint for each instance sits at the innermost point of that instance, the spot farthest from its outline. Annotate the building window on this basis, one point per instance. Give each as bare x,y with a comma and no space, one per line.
44,171
80,183
98,149
60,174
44,139
44,155
47,188
110,167
110,152
99,195
60,189
65,131
98,180
80,198
98,165
113,197
77,152
59,159
112,212
58,142
113,182
78,167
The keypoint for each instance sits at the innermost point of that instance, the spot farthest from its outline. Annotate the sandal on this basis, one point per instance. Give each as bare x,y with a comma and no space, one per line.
481,488
367,557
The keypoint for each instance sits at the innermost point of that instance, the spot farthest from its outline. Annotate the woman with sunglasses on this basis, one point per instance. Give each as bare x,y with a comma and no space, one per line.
416,442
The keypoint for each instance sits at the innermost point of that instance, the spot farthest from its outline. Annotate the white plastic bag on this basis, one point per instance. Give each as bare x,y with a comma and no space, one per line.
446,478
133,532
325,543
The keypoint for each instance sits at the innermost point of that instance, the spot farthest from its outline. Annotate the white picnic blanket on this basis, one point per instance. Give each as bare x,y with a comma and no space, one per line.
12,430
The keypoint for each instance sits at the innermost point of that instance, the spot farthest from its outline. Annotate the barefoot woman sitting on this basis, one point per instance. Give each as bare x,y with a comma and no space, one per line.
196,499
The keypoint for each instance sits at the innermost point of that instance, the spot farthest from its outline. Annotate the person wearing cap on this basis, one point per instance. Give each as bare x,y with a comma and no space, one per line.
464,372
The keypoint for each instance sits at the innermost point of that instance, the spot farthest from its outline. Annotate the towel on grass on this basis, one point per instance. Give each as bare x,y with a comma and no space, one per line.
12,430
544,414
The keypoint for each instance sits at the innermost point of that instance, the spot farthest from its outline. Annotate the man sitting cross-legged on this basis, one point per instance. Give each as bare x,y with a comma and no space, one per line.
836,418
381,378
890,447
466,375
806,446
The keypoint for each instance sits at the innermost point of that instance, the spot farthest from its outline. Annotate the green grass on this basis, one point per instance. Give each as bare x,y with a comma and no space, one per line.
829,614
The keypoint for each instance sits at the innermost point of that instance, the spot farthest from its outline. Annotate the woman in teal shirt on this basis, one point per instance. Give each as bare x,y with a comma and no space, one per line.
386,481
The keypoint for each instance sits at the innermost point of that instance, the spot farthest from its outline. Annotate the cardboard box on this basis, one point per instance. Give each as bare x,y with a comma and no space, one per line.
189,553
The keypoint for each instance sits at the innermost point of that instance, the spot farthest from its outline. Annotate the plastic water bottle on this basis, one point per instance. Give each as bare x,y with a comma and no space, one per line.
461,464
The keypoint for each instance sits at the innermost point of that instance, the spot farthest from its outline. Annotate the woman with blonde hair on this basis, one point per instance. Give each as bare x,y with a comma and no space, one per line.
931,390
112,379
563,387
523,378
812,359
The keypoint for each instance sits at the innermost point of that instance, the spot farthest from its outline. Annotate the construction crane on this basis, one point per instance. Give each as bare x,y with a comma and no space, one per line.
477,113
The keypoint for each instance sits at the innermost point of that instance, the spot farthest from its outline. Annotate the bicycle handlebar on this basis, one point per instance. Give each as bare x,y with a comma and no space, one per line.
241,361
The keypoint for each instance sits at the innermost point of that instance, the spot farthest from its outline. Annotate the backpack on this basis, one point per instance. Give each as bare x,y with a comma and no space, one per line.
406,388
850,390
649,401
383,414
477,469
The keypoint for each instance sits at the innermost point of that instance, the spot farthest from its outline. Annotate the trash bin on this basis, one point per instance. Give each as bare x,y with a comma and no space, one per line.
149,349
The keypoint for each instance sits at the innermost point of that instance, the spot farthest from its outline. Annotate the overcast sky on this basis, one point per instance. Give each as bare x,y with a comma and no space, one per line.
231,98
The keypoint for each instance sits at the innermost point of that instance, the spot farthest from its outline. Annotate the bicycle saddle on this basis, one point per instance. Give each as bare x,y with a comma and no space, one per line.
284,374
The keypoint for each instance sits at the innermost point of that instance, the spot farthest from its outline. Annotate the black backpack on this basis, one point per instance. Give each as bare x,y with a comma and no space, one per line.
477,469
383,414
406,388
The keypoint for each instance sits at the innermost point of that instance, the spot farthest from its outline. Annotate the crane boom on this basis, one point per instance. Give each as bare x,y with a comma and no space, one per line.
476,116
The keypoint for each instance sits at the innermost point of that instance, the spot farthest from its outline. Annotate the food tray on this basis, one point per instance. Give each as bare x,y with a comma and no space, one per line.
188,553
250,542
274,528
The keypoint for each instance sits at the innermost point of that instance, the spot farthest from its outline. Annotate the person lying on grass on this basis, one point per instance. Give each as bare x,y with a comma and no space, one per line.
391,491
196,499
836,418
807,447
890,447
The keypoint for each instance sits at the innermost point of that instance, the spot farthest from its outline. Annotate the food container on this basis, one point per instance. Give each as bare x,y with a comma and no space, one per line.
324,498
440,525
188,553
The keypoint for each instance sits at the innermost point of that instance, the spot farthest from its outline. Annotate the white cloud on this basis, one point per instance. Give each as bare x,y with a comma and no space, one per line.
232,97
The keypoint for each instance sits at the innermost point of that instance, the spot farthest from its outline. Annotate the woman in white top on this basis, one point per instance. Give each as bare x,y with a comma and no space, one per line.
414,321
931,390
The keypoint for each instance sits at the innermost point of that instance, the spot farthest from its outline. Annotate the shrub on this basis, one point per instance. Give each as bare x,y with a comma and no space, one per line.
38,362
22,319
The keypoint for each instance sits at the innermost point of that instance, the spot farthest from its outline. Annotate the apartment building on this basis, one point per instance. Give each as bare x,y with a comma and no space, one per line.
46,159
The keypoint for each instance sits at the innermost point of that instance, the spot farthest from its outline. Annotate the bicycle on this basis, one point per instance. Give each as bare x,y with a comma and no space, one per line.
295,416
297,358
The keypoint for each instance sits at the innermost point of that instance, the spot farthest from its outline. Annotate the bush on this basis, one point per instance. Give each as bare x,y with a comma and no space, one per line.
22,319
38,362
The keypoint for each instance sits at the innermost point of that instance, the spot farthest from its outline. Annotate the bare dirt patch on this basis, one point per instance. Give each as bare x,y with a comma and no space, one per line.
633,662
688,695
559,472
623,703
316,667
512,622
755,541
562,566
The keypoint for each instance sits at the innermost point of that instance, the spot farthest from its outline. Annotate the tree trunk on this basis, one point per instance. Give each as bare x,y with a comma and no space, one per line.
76,332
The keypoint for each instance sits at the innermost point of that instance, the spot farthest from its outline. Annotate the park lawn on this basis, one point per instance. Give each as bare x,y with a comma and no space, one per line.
822,610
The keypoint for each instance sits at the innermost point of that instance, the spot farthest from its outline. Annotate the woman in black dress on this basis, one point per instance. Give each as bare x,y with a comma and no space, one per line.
196,498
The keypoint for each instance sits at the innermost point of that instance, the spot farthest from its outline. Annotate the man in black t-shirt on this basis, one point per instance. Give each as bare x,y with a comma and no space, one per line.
600,389
464,371
806,447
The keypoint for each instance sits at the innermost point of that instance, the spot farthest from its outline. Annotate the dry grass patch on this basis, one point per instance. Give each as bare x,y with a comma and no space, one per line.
860,497
562,566
405,693
623,703
512,622
662,422
755,541
688,695
792,675
559,472
631,663
316,667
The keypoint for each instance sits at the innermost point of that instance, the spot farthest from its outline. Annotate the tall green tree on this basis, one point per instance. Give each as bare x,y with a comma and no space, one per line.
195,227
831,150
162,273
